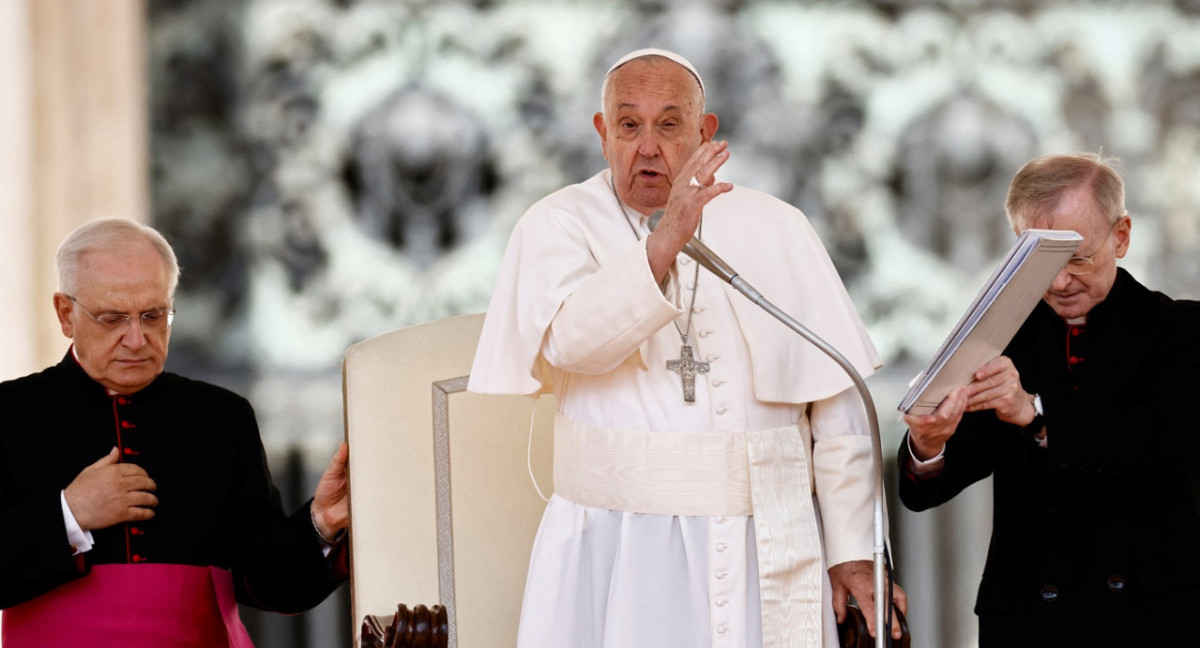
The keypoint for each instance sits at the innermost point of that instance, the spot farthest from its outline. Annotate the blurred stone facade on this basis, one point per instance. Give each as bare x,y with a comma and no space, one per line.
330,170
333,170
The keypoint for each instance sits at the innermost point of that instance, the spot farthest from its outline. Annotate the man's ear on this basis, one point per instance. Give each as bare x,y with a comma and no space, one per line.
708,127
1121,234
63,309
602,131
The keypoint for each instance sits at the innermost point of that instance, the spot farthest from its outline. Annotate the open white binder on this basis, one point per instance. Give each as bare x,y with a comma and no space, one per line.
992,320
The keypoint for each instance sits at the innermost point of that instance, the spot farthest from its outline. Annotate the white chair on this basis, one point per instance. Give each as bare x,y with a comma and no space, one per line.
441,504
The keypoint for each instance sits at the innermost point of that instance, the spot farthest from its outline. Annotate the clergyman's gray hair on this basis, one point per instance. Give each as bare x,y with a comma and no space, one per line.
1038,186
108,234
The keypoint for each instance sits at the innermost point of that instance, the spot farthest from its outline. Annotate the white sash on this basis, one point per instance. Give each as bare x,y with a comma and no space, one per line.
766,474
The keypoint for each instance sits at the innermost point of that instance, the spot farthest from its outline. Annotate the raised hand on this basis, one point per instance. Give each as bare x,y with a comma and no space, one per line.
685,204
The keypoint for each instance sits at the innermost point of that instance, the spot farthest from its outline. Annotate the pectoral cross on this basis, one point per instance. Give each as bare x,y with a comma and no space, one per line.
687,367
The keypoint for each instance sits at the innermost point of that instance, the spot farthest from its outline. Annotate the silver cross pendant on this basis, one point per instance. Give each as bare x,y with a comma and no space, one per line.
687,367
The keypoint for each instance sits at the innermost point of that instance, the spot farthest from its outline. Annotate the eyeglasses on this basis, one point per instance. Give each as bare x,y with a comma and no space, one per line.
155,319
1081,265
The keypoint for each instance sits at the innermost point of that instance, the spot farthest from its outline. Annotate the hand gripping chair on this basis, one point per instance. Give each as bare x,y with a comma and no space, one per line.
442,510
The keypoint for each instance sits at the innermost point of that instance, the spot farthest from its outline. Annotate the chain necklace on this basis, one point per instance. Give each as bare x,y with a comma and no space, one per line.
686,364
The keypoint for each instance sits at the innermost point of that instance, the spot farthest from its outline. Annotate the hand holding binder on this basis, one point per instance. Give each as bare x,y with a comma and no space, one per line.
991,321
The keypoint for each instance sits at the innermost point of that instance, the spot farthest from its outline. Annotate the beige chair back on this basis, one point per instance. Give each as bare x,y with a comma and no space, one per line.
441,503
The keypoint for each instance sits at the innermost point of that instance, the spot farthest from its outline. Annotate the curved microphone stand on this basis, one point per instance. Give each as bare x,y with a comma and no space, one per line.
705,257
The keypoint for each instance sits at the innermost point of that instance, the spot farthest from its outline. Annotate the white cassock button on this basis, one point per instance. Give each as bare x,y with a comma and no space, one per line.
720,519
721,546
721,574
712,357
722,602
721,409
704,334
722,629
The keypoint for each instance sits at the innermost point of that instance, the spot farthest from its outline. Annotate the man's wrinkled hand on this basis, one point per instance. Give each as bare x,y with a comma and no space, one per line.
854,578
997,386
331,500
108,493
928,433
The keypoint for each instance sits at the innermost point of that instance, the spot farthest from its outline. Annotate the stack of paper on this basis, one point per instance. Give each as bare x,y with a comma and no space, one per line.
994,317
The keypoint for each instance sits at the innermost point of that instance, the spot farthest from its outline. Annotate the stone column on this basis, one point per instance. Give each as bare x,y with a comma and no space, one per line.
73,147
17,354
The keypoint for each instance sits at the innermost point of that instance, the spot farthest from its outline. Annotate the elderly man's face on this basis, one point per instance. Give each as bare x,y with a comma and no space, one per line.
1073,296
127,356
650,126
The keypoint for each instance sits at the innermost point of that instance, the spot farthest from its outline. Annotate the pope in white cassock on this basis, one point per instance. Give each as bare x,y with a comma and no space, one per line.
712,470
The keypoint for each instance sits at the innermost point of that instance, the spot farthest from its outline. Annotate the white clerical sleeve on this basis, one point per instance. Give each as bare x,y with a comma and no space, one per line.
567,257
608,316
843,471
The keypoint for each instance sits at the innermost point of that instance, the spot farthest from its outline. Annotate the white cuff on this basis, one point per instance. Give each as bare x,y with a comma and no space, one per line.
930,466
81,541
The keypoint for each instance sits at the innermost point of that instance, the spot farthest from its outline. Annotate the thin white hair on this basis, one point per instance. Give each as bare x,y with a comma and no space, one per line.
108,234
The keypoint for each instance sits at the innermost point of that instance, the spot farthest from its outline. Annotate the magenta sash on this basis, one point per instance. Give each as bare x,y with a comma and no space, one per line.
132,606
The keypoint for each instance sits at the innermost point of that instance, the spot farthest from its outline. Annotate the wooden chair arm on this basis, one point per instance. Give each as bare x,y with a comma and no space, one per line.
420,627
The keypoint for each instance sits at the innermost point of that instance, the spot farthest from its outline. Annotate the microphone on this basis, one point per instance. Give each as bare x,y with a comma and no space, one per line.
696,249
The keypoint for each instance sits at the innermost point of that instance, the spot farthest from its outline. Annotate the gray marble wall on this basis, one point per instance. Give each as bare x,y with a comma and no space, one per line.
330,170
